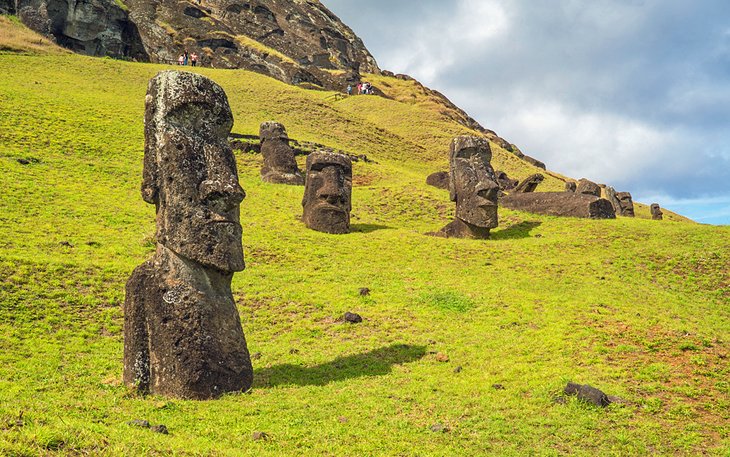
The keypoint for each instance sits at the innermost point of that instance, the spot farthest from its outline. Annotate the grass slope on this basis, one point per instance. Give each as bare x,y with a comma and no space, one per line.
635,307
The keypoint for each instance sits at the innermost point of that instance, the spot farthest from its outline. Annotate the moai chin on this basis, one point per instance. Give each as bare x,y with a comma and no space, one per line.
182,331
279,167
656,212
473,186
328,192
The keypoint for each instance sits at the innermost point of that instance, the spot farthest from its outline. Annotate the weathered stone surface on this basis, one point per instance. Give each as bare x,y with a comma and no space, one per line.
570,186
626,204
588,394
610,193
473,186
656,212
352,318
7,6
328,192
534,162
279,164
565,204
588,187
91,27
505,182
440,179
529,184
182,331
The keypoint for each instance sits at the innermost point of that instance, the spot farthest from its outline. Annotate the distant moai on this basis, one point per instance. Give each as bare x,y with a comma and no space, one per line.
473,186
656,212
588,187
327,198
279,167
613,198
626,203
570,186
529,184
182,331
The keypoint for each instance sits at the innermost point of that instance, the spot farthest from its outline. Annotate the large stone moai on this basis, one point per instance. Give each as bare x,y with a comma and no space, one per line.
656,212
473,186
182,331
626,203
280,167
328,192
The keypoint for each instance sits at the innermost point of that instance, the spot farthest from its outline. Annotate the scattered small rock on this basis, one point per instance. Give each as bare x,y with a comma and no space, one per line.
66,244
431,342
139,423
458,369
293,351
441,357
364,291
559,400
93,244
256,356
342,419
439,428
587,393
260,436
24,161
352,318
498,387
160,429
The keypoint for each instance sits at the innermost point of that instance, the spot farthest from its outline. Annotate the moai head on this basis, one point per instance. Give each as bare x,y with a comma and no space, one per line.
570,186
588,187
473,185
626,203
190,171
328,192
656,212
279,167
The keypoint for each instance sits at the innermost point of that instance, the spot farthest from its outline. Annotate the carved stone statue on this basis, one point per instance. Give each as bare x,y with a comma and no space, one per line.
570,186
182,331
473,186
529,184
626,203
328,192
588,187
279,164
656,212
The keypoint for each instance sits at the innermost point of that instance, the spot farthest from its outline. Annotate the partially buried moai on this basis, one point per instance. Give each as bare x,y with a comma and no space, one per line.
656,212
182,331
626,203
280,167
328,192
473,186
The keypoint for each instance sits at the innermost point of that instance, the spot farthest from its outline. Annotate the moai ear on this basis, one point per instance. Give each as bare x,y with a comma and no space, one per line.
150,187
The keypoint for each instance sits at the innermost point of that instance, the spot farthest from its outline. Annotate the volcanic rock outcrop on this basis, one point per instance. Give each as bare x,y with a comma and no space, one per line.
564,204
473,186
328,192
279,164
182,331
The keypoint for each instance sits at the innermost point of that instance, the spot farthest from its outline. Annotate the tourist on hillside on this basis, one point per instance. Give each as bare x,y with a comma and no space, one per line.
181,59
194,59
185,62
359,88
349,89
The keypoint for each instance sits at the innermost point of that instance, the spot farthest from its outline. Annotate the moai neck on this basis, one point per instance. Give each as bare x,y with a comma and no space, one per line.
208,280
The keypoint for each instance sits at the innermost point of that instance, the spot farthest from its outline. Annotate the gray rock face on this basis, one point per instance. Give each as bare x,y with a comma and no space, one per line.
626,203
473,186
656,212
91,27
280,167
529,184
588,187
182,331
328,192
564,204
440,180
7,6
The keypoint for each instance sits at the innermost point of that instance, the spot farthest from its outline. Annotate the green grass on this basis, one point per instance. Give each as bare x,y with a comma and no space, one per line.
635,307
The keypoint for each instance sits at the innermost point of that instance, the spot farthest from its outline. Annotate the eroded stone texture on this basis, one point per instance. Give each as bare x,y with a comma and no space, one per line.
626,204
588,187
564,204
473,186
529,184
280,167
440,179
570,186
610,193
328,192
504,181
656,212
182,331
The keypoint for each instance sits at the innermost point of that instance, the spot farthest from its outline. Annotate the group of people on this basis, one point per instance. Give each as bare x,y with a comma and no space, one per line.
362,89
185,58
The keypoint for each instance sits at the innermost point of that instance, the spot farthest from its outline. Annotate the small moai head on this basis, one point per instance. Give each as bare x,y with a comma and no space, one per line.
588,187
190,172
570,186
656,212
279,166
328,192
626,203
271,130
473,184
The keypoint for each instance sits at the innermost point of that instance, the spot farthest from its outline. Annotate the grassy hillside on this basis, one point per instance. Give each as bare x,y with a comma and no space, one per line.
635,307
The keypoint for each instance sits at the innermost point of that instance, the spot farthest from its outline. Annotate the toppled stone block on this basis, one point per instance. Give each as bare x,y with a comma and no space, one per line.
563,204
529,184
588,187
588,394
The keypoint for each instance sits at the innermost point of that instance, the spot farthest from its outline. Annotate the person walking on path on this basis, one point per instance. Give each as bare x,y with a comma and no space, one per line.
194,59
349,89
181,59
186,58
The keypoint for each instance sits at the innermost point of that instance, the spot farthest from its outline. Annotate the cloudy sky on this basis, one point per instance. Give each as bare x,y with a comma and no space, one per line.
632,93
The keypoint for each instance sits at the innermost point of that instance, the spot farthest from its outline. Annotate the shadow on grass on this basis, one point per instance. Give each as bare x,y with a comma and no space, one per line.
377,362
517,231
368,228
